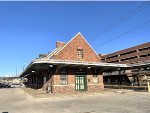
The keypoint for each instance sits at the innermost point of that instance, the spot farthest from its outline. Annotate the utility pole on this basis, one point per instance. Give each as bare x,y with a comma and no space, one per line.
24,66
16,71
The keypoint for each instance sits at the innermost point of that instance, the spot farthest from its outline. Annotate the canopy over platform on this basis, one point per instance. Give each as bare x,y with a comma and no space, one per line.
46,63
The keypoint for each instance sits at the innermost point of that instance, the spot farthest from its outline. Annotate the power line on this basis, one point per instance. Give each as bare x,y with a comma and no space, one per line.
125,33
122,19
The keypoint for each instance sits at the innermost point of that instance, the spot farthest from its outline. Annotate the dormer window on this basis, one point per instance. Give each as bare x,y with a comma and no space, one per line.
80,53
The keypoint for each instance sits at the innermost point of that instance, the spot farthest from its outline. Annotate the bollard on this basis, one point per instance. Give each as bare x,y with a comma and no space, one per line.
148,88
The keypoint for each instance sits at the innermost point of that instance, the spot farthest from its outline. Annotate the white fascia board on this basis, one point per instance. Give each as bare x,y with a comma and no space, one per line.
52,61
26,68
79,63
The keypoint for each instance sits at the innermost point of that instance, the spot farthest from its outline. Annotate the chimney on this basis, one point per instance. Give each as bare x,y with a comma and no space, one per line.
60,44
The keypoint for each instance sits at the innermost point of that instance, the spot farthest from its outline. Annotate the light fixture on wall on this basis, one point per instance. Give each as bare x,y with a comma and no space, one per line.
33,71
51,65
26,75
89,67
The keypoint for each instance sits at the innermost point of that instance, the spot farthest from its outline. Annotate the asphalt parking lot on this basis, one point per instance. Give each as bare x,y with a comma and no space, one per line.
17,100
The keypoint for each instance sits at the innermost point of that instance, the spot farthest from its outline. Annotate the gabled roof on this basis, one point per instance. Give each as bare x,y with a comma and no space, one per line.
72,39
53,53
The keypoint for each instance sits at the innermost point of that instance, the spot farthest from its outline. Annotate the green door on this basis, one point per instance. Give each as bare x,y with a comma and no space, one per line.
80,83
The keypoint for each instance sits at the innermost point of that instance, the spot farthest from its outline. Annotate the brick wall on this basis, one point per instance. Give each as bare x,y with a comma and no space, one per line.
69,52
70,87
64,89
93,87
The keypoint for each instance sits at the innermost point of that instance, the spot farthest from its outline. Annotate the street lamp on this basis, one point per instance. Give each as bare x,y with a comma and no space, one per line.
24,66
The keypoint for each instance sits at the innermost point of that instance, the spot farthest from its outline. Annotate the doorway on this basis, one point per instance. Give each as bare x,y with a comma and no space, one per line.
80,82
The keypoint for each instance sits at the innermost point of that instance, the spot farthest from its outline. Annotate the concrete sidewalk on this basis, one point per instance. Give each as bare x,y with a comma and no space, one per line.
40,94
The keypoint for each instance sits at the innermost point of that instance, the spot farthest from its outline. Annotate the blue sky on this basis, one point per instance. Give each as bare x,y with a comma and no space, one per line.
30,28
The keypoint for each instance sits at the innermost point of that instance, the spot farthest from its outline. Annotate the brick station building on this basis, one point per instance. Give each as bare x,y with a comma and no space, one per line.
72,66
